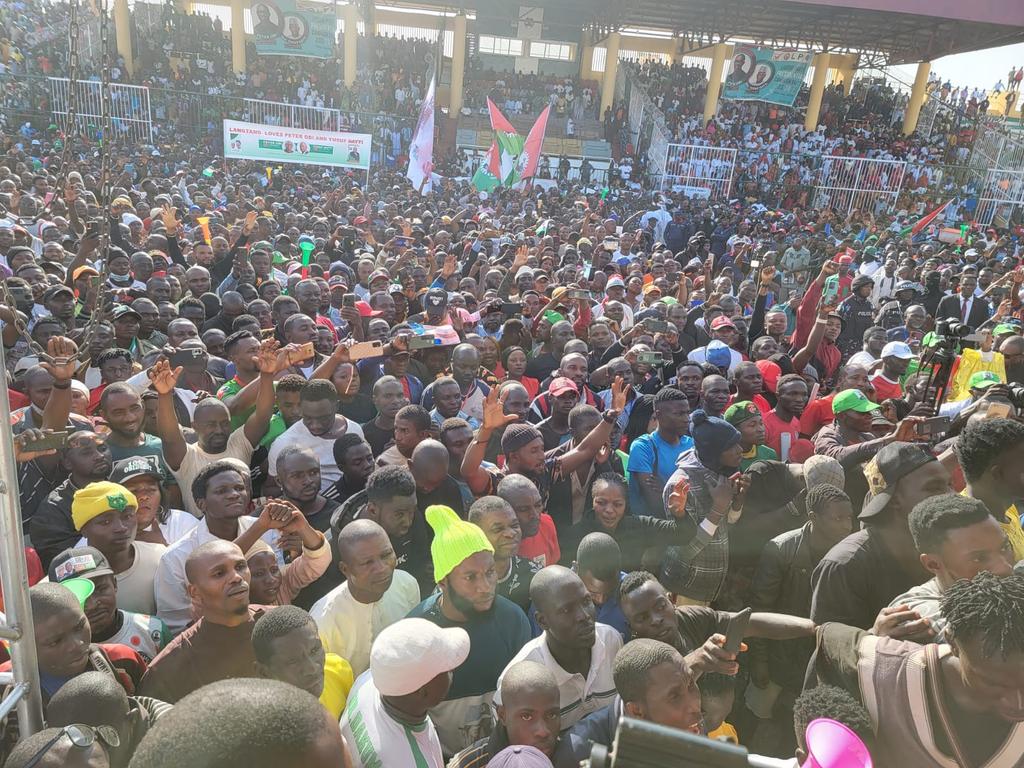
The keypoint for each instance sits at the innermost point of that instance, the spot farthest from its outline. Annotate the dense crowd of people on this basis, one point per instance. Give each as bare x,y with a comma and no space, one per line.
318,472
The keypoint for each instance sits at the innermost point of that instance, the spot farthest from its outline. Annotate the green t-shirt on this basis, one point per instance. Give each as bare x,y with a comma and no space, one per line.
151,446
230,388
274,430
760,453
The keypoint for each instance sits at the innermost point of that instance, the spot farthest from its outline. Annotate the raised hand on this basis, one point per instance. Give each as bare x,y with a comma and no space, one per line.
250,223
267,358
21,442
494,411
170,219
521,257
677,498
163,378
620,394
767,275
277,514
62,364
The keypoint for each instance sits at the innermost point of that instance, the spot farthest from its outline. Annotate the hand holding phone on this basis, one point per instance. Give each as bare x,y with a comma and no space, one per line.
736,630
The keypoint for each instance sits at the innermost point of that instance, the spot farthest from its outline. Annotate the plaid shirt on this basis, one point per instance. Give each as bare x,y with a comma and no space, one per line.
698,569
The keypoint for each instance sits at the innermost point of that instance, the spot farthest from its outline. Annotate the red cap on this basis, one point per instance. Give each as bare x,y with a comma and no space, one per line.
770,373
365,310
560,385
722,322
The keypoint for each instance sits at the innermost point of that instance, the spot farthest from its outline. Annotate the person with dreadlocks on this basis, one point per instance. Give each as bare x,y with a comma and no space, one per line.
971,690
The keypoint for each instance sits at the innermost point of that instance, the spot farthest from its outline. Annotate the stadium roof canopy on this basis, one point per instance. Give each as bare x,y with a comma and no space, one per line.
887,31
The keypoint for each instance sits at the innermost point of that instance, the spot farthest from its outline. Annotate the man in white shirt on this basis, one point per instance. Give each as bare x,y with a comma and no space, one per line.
222,495
385,720
212,423
374,595
319,427
578,651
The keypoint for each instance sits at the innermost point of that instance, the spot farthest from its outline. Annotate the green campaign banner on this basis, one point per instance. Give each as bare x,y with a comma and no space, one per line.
766,74
294,28
274,144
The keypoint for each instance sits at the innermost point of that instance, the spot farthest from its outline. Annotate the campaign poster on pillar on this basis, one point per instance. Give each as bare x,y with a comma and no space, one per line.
274,144
294,28
766,74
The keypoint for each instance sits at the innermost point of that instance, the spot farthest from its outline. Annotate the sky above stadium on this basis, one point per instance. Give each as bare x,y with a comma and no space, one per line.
976,69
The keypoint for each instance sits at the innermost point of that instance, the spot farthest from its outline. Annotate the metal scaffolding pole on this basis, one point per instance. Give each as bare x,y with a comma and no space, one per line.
14,578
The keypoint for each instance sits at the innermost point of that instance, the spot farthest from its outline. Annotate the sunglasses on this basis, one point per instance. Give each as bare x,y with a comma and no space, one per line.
81,736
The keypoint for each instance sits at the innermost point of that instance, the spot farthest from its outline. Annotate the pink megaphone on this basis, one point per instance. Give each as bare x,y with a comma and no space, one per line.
831,744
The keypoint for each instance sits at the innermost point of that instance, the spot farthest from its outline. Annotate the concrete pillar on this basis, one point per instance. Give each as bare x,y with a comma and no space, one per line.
458,64
123,34
611,71
846,70
714,81
351,15
917,96
238,34
821,62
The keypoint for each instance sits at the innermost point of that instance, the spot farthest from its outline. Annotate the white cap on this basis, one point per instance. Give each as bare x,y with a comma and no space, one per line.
412,652
897,349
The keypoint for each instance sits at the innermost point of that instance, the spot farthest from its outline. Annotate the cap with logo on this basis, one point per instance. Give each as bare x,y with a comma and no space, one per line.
983,380
123,309
560,385
737,413
897,349
436,298
79,563
892,463
722,322
719,355
852,400
135,466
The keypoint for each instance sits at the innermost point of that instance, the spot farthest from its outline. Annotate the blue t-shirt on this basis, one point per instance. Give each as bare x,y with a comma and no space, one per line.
651,455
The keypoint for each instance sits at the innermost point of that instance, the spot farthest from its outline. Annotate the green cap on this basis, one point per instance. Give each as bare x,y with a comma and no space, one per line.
553,317
1002,328
81,588
454,539
742,411
983,380
852,400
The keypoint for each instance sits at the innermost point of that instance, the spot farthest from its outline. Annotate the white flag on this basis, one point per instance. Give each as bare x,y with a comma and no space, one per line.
421,152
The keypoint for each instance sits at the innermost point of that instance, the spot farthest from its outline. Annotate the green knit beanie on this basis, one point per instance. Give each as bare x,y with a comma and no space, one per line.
454,539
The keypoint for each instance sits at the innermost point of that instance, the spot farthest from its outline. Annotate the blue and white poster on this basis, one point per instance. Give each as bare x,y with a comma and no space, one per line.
294,28
766,74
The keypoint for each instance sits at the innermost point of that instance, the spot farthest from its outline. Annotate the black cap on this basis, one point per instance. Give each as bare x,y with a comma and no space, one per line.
123,309
57,289
135,466
894,462
79,563
436,297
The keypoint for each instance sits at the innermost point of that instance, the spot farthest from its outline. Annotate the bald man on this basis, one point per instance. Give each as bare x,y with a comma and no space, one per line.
530,716
429,465
217,646
577,650
375,594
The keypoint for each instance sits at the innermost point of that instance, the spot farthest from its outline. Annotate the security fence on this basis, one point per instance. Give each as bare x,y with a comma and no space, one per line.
1001,200
130,114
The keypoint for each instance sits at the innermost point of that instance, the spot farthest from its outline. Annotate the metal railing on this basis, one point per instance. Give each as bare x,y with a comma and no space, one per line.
25,695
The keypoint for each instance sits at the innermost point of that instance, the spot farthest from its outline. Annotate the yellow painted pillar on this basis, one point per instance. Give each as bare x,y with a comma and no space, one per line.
821,62
847,70
238,34
611,70
714,81
351,13
458,64
917,97
123,33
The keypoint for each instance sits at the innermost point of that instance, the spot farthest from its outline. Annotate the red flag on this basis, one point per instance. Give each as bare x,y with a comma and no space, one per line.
498,121
530,156
924,221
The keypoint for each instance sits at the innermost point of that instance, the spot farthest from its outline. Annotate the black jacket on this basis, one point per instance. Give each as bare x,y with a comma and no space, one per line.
951,308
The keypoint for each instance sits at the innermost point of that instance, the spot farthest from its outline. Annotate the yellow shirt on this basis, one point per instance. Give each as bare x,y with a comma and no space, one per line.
1014,532
338,681
727,731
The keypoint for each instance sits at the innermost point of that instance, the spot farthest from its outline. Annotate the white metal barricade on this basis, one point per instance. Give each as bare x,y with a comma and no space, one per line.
129,108
698,171
293,115
848,183
1001,200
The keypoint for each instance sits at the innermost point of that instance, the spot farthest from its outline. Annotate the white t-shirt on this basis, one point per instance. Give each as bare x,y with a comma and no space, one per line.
299,436
196,458
376,739
135,586
348,627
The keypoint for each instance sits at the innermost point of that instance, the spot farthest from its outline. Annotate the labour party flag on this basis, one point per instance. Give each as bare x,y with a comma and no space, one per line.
487,175
421,151
526,165
924,221
510,143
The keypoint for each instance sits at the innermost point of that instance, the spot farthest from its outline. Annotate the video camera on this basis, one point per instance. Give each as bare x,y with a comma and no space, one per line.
938,357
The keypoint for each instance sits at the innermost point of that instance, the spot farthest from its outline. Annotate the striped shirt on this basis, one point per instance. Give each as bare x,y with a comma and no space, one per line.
578,696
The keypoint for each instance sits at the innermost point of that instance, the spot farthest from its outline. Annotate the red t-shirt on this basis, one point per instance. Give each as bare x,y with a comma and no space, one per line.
762,405
884,388
542,548
775,428
816,415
